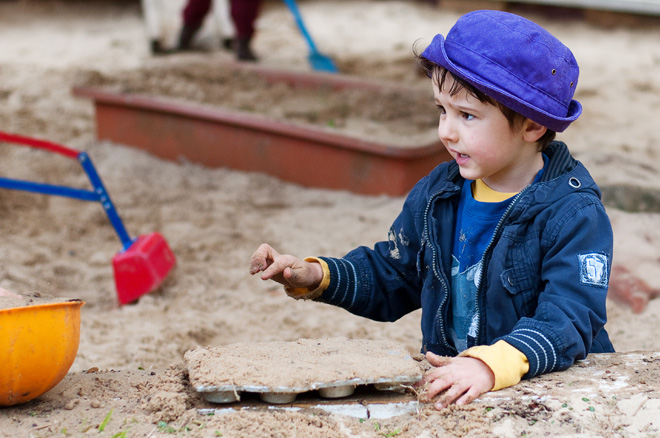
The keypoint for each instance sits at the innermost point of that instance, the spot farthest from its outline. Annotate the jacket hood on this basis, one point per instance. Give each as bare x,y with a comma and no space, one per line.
563,176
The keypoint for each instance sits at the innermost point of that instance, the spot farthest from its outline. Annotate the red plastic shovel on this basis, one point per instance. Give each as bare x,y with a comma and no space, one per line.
143,263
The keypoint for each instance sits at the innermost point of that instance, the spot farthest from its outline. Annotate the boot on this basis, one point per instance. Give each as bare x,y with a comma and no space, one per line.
227,43
186,36
243,50
157,48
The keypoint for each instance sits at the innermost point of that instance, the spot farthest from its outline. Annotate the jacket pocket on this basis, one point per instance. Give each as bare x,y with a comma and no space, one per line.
510,281
521,288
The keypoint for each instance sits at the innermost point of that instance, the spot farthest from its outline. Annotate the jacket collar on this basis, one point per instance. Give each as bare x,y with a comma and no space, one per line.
563,176
560,161
556,181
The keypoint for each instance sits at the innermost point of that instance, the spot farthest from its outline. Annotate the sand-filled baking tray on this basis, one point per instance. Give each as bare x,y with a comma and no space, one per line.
279,371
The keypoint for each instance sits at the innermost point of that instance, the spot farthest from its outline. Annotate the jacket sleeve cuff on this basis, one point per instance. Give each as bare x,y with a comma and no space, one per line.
508,364
303,293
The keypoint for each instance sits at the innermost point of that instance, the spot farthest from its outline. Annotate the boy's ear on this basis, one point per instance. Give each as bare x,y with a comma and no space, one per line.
532,131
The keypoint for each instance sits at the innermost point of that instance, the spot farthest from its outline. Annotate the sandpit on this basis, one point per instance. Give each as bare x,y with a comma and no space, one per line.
129,378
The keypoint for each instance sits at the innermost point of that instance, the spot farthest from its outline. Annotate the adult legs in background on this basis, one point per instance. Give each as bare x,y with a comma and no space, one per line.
244,13
193,18
224,23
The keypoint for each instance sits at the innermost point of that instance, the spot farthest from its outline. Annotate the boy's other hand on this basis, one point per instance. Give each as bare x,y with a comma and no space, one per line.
459,380
289,271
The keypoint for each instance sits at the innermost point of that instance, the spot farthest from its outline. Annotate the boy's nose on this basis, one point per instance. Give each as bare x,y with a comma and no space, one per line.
446,131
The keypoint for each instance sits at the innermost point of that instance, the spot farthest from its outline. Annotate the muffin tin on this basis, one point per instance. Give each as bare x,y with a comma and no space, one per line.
284,395
278,372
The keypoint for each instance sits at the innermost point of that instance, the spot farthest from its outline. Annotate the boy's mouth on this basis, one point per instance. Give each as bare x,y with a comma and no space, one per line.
459,157
462,159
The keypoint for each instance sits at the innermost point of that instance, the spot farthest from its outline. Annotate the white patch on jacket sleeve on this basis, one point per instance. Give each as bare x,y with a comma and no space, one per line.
403,239
593,269
394,249
395,241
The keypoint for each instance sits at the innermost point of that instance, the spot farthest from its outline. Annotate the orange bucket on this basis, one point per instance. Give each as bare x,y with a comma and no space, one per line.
38,344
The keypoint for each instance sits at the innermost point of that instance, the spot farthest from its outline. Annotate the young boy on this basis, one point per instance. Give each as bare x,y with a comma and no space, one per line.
507,248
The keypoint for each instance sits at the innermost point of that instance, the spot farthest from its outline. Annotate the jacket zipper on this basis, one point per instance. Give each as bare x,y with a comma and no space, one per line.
478,312
436,272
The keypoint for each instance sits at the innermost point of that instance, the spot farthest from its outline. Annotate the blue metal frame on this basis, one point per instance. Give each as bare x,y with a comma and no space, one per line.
99,194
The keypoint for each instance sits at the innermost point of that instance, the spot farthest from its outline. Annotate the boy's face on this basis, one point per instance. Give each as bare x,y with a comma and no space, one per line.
483,143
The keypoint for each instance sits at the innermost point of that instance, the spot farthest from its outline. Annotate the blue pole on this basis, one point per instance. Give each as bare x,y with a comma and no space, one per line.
105,200
49,189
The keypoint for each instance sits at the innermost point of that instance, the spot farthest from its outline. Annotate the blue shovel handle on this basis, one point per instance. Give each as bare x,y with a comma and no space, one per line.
293,7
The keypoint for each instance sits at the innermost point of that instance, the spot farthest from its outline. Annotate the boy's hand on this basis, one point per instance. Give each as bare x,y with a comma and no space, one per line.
287,270
459,379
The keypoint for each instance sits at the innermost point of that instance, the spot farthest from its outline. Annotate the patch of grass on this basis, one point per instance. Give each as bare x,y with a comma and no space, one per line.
105,421
164,427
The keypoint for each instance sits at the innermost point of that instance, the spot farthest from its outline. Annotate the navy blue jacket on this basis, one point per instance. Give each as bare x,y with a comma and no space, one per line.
545,275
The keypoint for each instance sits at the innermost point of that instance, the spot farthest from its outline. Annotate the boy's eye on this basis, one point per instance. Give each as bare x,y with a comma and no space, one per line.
468,116
441,109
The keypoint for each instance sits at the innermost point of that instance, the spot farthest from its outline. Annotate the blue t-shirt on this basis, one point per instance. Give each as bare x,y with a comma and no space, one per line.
475,225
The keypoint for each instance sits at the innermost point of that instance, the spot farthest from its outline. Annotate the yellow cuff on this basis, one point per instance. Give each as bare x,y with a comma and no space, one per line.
303,293
507,362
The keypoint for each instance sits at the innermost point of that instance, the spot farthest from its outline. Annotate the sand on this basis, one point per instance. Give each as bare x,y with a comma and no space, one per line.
299,366
129,374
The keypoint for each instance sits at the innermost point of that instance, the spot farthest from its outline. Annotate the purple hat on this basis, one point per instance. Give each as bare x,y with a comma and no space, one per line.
514,61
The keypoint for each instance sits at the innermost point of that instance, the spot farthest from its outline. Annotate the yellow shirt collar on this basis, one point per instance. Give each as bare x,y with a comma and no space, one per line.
482,193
